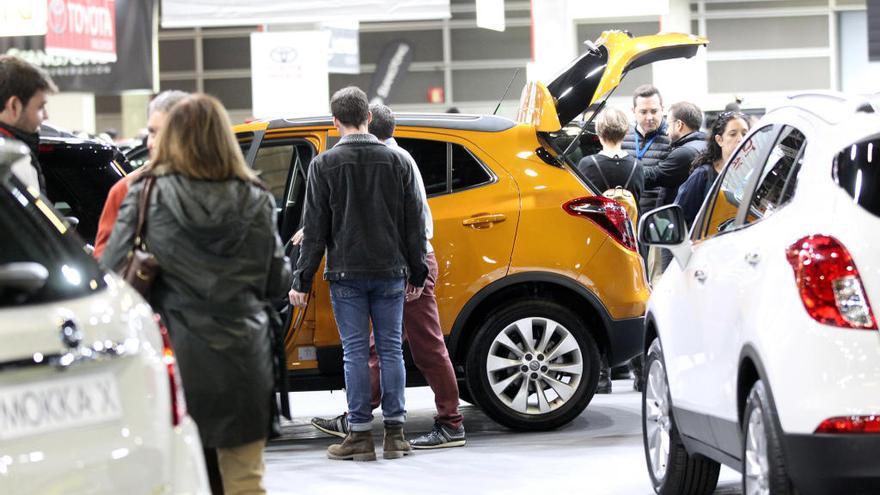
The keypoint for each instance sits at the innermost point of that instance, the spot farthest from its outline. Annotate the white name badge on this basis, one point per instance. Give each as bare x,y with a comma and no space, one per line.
64,403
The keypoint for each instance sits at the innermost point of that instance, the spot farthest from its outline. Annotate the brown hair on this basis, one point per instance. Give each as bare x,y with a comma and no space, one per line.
350,106
688,113
646,91
612,125
20,78
197,142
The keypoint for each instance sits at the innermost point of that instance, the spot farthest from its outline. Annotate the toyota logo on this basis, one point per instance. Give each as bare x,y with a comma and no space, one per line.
283,54
57,16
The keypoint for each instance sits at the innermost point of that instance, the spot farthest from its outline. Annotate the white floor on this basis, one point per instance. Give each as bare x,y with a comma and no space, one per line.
600,453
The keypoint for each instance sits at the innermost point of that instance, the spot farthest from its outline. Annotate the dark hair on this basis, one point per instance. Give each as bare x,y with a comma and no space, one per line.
713,150
688,113
20,78
646,91
453,110
350,106
732,107
382,125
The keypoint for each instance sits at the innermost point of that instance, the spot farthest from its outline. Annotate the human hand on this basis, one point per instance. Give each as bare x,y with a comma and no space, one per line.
413,293
298,299
297,238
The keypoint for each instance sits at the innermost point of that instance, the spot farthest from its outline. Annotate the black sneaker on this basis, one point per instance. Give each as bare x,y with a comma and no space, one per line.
338,426
441,437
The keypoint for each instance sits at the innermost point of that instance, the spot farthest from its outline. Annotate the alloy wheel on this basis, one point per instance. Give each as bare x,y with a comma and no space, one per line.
757,468
658,421
534,365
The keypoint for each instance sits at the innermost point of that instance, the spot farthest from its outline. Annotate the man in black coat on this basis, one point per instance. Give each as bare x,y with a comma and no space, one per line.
683,124
24,92
647,139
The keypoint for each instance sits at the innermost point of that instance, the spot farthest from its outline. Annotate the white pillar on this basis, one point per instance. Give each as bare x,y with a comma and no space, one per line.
72,111
681,79
134,113
553,39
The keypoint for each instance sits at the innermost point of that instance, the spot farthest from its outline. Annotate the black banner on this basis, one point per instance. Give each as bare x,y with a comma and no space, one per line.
874,30
390,70
133,68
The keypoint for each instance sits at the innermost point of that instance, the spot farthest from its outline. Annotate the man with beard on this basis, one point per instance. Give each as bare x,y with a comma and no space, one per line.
24,92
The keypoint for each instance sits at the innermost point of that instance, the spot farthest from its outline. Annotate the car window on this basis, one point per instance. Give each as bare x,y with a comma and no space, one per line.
734,182
856,171
34,233
779,176
432,159
272,164
467,170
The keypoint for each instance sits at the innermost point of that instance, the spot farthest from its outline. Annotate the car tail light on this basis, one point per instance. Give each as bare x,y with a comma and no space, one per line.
829,283
607,214
178,403
850,424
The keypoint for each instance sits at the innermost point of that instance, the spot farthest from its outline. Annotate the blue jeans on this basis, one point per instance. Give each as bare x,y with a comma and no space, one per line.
355,304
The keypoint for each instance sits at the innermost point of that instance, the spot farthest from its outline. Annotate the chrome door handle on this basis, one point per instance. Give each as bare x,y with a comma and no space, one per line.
753,258
700,275
483,221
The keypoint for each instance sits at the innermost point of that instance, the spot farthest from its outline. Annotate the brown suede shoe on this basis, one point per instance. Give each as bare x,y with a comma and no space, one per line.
395,445
357,446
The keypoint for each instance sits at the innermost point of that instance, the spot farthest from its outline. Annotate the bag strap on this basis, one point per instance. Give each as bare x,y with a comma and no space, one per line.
631,173
143,204
601,174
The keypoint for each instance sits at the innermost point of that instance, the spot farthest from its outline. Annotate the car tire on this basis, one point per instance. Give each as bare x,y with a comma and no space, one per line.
763,465
533,365
673,471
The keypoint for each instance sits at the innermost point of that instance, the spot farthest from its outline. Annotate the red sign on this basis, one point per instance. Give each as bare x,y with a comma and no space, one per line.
82,29
435,94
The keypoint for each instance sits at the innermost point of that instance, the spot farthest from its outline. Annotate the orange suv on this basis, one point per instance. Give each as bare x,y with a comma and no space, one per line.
538,275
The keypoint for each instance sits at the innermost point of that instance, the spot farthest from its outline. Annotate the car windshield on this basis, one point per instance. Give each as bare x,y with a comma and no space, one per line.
856,172
41,260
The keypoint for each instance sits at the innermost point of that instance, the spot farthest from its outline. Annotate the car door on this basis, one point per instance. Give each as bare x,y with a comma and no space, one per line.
475,206
709,285
281,159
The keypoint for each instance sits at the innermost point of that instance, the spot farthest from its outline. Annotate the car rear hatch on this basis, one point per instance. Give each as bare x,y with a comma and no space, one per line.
856,172
84,406
591,78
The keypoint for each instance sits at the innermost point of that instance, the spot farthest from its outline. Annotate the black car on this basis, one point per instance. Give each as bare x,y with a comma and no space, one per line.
79,174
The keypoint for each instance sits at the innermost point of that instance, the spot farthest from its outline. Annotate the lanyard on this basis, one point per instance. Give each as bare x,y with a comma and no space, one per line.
640,152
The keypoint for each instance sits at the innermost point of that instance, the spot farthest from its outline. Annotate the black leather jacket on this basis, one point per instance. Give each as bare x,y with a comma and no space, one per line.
363,207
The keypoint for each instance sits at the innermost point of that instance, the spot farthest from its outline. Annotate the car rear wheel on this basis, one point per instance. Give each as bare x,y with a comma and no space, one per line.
672,469
533,365
763,467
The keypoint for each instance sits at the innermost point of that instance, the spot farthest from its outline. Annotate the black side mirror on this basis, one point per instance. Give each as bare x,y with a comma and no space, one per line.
664,226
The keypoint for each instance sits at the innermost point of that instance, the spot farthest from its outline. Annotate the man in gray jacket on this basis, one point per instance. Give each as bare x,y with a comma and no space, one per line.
362,207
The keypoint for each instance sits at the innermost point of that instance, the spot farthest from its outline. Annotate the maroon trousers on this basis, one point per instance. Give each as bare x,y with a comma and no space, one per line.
421,328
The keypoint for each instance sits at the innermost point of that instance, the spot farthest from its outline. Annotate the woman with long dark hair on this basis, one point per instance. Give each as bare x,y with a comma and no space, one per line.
210,224
727,132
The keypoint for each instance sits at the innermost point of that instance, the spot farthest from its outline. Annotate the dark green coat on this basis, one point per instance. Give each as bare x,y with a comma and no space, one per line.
221,261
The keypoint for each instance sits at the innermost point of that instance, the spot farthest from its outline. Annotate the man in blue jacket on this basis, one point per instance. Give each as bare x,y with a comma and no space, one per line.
363,207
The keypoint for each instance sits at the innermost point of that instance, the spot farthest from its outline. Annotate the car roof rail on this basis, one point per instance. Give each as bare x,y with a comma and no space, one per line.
831,107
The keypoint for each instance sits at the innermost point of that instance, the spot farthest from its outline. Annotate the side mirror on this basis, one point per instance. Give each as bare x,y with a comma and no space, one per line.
25,276
666,227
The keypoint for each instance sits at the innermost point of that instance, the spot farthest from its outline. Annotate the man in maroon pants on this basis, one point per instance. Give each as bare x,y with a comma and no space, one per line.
421,328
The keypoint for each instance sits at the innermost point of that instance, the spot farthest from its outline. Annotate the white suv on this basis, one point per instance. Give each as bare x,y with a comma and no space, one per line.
762,349
90,398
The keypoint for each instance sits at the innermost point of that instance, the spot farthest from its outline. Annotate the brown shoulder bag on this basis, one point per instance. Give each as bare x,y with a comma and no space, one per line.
141,268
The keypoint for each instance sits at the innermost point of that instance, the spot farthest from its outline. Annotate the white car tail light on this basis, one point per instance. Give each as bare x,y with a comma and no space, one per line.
829,283
178,402
607,214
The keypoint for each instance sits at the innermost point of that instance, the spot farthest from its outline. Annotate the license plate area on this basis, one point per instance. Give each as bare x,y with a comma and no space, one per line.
60,403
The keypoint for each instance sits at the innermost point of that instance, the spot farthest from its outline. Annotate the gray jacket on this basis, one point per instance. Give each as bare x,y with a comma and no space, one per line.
221,259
